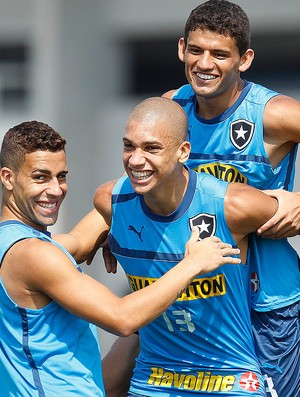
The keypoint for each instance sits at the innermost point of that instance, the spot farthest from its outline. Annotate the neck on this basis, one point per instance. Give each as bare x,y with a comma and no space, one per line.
10,214
210,107
166,200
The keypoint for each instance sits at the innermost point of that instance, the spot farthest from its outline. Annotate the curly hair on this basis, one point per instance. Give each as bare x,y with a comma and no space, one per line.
28,137
222,17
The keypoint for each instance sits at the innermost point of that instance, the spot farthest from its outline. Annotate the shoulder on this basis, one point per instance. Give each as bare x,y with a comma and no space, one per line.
281,119
30,267
185,92
280,103
104,191
211,185
169,94
31,258
32,250
102,199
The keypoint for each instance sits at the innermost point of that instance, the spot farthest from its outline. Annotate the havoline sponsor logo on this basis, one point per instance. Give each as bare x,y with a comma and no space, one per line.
204,381
226,172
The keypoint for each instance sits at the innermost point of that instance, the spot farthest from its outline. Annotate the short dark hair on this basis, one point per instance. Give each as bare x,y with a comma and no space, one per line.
222,17
28,137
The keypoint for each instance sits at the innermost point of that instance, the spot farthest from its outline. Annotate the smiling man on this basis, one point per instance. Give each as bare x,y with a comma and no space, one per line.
203,344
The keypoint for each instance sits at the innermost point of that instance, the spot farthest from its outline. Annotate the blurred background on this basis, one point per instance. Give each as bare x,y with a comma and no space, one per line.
81,66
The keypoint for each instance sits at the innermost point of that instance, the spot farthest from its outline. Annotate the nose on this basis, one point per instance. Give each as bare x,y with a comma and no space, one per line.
54,188
205,61
137,158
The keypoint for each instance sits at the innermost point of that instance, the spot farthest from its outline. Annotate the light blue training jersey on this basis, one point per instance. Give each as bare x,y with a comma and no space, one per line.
231,147
202,345
47,352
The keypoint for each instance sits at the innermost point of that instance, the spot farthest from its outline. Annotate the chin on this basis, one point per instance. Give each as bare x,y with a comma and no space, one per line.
141,189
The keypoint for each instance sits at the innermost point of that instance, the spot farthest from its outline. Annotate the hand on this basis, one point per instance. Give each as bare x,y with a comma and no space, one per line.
210,252
110,261
286,221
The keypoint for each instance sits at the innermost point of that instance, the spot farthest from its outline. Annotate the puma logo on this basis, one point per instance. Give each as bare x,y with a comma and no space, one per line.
133,229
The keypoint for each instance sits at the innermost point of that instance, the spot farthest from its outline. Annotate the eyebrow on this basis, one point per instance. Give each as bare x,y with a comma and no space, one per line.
40,170
47,172
154,142
221,50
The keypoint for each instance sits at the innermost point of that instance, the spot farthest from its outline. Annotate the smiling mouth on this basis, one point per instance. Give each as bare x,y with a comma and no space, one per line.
48,206
141,175
203,76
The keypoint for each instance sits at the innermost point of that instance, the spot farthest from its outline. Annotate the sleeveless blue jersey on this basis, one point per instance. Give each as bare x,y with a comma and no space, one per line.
46,352
231,147
202,344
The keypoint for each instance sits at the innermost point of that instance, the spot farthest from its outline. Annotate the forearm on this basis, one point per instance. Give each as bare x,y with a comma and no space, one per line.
133,311
143,306
85,238
94,302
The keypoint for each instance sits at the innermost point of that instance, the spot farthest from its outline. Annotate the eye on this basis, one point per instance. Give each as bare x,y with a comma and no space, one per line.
195,50
127,146
62,177
152,149
221,55
40,178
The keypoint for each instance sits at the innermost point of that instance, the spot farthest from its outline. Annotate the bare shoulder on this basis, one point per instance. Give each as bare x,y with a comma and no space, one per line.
169,94
30,267
33,254
281,120
102,198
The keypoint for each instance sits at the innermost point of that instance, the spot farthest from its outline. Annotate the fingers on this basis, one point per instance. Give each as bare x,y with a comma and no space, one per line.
227,251
269,227
276,228
232,261
109,260
195,234
286,221
228,255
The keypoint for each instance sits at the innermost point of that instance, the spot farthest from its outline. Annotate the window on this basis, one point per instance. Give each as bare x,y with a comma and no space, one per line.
14,90
154,67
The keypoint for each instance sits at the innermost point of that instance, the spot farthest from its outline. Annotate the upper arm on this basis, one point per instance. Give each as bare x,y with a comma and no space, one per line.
281,120
247,208
51,273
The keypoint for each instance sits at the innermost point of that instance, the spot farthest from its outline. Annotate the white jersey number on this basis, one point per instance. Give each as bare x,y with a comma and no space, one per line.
183,320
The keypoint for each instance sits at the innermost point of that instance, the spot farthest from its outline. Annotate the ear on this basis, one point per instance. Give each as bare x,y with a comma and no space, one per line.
184,151
7,178
181,49
246,60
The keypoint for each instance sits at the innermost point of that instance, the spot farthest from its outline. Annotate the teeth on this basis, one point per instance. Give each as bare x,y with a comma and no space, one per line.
141,174
205,76
49,206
